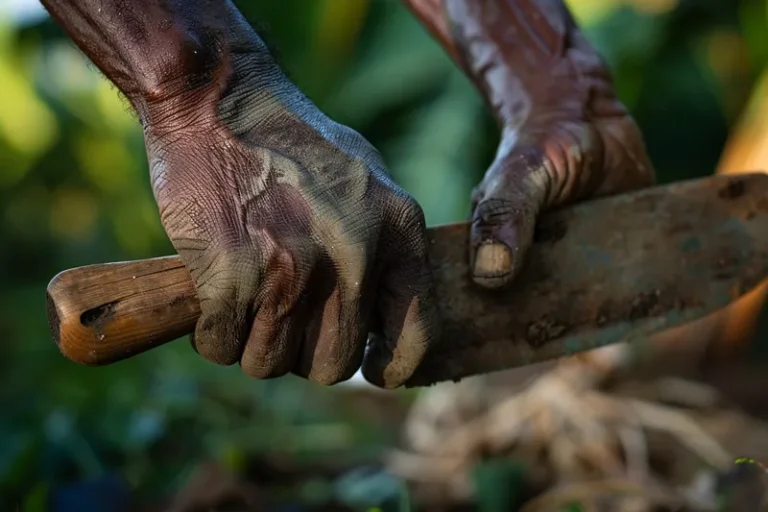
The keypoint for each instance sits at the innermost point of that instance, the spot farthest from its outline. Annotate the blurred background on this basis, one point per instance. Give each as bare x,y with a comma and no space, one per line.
74,191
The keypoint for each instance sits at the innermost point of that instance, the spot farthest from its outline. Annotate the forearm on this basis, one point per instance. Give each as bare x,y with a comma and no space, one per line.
157,50
527,57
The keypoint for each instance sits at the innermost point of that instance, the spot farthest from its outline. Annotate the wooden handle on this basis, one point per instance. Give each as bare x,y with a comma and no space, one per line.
598,272
100,314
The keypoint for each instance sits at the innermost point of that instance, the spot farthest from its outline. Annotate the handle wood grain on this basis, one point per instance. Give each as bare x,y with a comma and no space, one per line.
598,272
100,314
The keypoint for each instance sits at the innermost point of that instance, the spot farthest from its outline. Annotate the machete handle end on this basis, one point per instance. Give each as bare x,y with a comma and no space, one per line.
101,314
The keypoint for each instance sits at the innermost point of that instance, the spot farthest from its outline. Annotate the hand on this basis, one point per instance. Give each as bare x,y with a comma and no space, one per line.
565,135
293,232
297,239
565,159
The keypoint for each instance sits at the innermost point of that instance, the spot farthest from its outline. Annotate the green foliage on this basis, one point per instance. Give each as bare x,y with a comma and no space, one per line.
74,191
499,485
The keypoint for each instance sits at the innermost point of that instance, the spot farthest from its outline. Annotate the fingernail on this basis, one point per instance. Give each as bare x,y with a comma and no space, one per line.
376,359
493,265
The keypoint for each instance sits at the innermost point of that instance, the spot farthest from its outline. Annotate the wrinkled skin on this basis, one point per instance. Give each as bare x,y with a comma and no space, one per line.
298,241
296,237
565,134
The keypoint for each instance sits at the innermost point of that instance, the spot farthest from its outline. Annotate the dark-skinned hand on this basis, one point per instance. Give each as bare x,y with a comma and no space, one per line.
298,241
295,237
565,134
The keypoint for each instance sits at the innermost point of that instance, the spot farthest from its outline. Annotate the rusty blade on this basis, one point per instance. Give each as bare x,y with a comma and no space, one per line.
601,272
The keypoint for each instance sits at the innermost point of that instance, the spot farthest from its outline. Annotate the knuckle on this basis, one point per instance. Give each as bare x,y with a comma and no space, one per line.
285,262
285,283
527,170
223,272
495,210
409,215
352,140
219,274
353,272
411,209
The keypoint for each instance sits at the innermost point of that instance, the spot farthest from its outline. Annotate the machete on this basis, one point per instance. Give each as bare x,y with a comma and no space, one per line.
599,272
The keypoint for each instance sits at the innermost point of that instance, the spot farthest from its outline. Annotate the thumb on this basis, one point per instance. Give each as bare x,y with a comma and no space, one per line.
505,207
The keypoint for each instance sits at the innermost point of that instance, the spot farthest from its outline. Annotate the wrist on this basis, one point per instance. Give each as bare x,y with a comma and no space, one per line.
204,51
213,79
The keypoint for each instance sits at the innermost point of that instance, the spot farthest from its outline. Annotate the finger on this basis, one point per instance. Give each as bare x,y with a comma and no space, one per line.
405,305
504,218
333,347
278,328
273,344
225,302
335,339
